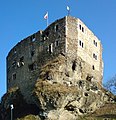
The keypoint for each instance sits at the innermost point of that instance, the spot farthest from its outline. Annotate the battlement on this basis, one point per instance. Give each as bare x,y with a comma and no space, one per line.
69,36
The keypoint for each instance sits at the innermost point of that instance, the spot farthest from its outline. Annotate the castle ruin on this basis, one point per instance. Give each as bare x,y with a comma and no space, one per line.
68,36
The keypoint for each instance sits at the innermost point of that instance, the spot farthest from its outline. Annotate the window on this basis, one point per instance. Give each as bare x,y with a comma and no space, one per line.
15,51
56,28
43,37
47,33
74,66
94,56
14,63
93,67
14,76
95,43
22,61
50,48
32,53
82,29
56,43
81,43
32,66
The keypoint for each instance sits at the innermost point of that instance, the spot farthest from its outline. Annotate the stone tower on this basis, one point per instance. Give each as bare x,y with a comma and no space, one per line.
69,36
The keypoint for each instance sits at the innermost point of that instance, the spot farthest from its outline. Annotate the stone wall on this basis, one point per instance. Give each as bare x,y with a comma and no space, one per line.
81,42
25,60
67,36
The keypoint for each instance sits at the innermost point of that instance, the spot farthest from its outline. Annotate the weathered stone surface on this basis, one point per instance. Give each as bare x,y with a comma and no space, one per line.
68,36
58,94
54,99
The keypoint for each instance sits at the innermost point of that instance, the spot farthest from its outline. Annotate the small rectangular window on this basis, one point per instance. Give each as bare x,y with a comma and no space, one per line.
14,76
94,56
15,51
32,66
14,63
56,28
22,61
56,43
80,43
82,29
43,37
47,33
95,43
93,67
50,48
32,53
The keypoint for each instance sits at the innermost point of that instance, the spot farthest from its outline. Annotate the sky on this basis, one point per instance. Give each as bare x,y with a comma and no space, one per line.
21,18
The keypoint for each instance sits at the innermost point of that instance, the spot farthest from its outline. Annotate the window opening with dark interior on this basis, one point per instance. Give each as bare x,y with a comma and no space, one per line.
14,63
32,67
56,43
95,43
43,37
32,53
56,28
15,51
80,42
50,48
14,76
94,56
74,65
93,67
22,61
47,33
82,29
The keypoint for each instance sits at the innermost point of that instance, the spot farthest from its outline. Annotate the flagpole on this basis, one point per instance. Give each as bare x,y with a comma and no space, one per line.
68,12
47,21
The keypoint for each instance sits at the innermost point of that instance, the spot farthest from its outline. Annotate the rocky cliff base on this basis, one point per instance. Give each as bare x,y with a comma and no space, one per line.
61,102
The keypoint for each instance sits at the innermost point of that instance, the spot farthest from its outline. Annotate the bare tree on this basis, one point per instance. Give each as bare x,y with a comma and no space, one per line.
111,85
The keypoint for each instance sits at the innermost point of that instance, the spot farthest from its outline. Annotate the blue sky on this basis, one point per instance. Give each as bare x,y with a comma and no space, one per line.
21,18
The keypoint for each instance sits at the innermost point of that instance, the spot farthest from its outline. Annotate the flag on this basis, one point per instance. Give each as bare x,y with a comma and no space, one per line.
68,8
46,16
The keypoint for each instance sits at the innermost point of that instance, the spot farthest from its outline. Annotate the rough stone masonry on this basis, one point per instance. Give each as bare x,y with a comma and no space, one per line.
68,36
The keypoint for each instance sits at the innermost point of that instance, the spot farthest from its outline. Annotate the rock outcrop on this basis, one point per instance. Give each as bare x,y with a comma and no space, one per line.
60,102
